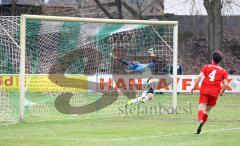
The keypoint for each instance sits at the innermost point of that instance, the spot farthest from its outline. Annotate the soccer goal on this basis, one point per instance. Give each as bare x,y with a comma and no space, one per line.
60,67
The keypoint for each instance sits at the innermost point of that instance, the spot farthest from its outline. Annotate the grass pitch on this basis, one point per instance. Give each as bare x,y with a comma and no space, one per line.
134,128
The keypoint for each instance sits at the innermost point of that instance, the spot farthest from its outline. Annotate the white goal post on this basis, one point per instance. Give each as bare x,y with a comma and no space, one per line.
23,42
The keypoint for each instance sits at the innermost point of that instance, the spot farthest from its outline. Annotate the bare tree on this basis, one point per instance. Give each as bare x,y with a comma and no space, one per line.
78,7
215,25
228,6
141,6
133,12
108,14
137,8
119,8
13,7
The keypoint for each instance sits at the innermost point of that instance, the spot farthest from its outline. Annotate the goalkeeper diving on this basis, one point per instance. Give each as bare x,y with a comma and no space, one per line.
140,68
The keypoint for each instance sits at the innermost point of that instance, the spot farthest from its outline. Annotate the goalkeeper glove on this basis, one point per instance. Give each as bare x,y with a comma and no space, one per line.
150,51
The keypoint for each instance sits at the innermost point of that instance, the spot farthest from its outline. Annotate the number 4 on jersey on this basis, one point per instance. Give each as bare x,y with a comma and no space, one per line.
212,75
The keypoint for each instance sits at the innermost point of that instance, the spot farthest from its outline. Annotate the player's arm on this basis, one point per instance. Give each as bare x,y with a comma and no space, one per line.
153,57
129,71
224,83
224,86
124,62
113,56
198,79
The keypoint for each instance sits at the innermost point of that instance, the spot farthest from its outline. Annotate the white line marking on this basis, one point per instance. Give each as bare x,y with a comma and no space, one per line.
116,139
220,130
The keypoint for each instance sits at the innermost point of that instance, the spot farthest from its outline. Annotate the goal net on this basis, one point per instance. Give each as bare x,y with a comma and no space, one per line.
65,68
9,69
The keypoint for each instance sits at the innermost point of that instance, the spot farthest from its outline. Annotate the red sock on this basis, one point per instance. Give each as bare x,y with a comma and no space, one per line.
205,117
200,115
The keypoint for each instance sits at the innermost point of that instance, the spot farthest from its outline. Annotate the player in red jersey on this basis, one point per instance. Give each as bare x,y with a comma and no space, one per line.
213,85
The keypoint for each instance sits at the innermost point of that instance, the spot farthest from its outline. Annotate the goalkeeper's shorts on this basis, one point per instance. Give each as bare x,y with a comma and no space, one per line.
150,90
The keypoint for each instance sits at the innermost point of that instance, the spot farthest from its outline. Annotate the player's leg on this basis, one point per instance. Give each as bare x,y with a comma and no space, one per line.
146,95
150,92
212,100
149,95
201,113
203,100
207,111
206,103
138,99
143,99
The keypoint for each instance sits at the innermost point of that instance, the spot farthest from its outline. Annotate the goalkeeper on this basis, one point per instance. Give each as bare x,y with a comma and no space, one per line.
138,67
